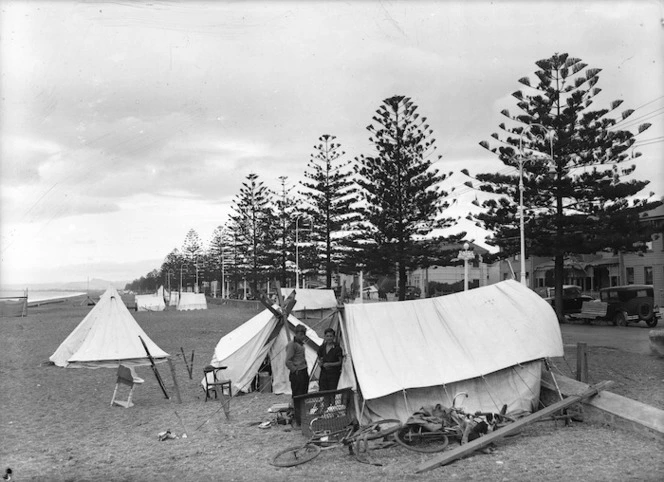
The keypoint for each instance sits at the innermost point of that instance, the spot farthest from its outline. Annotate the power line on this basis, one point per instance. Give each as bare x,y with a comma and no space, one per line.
631,122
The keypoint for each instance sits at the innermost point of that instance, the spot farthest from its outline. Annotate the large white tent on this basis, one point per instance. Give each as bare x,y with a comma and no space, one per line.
308,299
192,301
244,349
487,342
106,337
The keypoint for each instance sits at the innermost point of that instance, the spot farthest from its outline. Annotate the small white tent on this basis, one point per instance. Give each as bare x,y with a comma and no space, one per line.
244,349
307,299
106,337
487,342
192,301
151,302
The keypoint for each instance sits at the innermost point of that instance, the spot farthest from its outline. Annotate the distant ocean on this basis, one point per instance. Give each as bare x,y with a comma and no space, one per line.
34,296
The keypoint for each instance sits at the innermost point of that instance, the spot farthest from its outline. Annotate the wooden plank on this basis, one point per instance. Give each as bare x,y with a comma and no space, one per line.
269,306
482,442
280,298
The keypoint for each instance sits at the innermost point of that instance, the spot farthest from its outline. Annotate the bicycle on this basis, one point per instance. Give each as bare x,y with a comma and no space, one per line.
354,437
455,423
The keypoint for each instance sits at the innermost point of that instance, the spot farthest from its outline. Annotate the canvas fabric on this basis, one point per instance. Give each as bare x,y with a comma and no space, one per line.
244,349
307,299
192,301
106,337
517,387
150,303
406,353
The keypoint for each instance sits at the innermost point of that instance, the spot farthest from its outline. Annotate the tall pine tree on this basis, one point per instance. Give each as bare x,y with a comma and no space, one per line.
400,199
328,197
285,211
575,192
255,221
192,249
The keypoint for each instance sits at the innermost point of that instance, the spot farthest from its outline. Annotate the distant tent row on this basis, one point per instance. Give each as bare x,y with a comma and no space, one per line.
106,337
182,302
401,356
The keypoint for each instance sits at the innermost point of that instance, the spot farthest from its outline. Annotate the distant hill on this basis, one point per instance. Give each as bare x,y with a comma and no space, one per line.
94,284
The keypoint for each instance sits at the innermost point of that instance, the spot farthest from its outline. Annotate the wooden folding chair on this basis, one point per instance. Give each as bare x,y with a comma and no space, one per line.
212,382
126,376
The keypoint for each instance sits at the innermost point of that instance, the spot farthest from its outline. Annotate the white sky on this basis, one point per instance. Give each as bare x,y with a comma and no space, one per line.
124,124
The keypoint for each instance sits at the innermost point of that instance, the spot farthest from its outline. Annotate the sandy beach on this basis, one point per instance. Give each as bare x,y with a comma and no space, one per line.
57,423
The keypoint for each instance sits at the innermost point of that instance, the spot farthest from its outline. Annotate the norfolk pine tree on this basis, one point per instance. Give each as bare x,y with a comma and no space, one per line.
192,248
255,220
575,196
399,196
285,209
219,251
328,199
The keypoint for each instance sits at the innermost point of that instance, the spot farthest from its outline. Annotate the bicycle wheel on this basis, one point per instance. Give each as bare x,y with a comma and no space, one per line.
379,429
296,455
414,438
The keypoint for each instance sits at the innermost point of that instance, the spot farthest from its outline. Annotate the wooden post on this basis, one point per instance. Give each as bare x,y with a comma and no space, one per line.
175,381
582,362
154,368
191,365
184,357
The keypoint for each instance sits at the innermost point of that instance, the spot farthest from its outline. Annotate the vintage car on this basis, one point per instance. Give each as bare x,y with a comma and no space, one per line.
573,298
630,303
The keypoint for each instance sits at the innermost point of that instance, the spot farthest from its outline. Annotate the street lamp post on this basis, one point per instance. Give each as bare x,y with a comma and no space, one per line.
196,266
521,222
521,217
170,272
223,274
297,252
466,255
223,263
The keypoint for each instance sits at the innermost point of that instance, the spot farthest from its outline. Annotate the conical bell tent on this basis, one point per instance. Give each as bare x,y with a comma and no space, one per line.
107,336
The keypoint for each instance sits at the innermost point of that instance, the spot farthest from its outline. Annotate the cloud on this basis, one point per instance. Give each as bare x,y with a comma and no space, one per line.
132,121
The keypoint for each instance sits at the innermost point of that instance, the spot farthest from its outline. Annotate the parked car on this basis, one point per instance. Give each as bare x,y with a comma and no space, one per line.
573,298
413,292
630,303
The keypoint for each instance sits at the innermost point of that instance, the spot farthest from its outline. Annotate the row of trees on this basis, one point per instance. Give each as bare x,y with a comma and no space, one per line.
377,212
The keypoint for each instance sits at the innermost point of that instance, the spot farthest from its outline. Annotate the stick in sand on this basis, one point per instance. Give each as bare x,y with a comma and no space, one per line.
184,357
154,368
